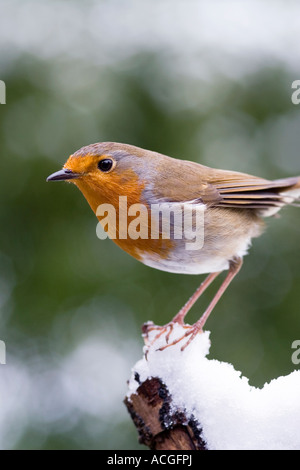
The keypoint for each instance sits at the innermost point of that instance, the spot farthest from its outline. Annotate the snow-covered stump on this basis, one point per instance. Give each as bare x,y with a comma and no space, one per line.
181,400
160,425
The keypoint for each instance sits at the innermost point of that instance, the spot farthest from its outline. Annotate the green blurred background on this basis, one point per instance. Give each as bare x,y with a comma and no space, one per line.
208,81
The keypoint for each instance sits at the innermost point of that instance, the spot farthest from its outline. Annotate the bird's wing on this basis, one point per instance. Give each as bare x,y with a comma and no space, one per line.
223,188
255,193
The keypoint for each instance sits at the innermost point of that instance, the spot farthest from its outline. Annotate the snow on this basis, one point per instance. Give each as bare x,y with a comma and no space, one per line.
232,414
72,384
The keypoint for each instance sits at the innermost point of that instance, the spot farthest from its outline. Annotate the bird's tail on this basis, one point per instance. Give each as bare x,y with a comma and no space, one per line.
291,192
267,197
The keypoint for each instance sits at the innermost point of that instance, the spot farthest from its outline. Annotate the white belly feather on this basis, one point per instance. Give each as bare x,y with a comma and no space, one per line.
213,256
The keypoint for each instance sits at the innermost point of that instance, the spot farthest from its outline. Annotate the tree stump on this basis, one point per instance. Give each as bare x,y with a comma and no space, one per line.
160,426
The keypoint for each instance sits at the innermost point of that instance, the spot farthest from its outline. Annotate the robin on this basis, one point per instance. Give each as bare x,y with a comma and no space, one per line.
233,204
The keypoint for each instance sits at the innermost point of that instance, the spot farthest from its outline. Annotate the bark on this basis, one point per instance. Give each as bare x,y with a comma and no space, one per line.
159,425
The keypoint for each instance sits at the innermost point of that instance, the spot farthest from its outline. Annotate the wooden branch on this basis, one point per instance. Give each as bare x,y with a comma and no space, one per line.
161,427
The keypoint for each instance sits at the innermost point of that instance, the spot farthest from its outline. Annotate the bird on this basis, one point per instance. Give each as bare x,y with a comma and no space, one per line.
233,205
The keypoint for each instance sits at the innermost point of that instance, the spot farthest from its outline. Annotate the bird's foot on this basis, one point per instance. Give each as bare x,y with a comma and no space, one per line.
150,326
167,329
192,331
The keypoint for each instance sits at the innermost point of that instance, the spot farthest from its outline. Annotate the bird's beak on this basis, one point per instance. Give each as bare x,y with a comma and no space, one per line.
63,175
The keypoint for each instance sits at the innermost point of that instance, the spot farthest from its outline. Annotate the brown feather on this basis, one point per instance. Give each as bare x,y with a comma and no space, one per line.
256,193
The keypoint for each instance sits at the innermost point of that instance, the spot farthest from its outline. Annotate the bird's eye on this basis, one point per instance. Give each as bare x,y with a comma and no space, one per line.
105,164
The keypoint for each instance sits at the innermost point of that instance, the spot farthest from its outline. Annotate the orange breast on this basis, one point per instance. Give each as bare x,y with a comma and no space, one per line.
127,184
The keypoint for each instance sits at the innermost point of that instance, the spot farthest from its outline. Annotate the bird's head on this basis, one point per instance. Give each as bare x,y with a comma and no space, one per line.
105,171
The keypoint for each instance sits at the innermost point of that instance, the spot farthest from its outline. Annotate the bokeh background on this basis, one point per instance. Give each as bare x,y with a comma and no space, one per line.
208,81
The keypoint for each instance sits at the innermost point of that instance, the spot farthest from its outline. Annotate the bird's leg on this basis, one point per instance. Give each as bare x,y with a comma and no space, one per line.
201,289
193,330
179,318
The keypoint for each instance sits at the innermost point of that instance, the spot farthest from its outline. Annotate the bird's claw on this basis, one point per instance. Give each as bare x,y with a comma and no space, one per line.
193,330
150,326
